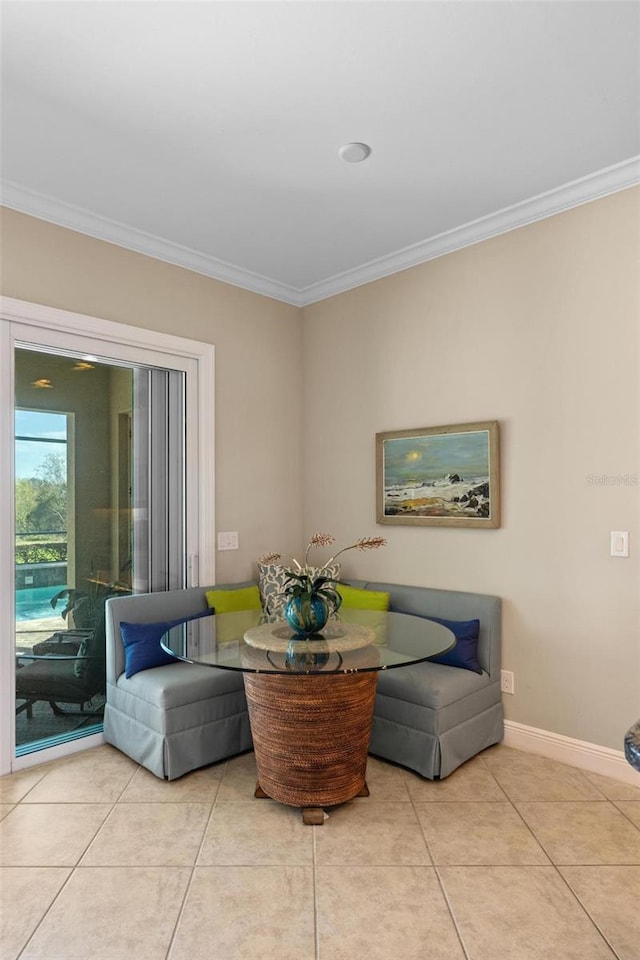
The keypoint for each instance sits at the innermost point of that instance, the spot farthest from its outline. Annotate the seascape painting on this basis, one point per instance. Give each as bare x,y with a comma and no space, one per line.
446,476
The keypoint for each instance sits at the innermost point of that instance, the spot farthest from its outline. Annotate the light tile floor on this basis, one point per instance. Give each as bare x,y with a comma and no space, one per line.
512,857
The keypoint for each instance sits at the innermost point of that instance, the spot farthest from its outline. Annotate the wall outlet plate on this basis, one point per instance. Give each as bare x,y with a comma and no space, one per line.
506,681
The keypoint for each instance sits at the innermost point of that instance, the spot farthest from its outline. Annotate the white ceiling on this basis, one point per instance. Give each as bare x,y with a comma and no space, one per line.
207,133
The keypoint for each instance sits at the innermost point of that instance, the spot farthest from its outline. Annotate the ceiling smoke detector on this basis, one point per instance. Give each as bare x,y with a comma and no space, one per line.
354,152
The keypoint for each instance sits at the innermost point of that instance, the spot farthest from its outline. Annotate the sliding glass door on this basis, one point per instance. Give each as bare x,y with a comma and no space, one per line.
99,501
107,473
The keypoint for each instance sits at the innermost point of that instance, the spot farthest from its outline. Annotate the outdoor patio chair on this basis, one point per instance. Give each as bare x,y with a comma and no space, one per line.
69,678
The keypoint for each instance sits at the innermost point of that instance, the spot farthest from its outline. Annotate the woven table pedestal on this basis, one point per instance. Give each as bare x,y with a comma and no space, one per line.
311,737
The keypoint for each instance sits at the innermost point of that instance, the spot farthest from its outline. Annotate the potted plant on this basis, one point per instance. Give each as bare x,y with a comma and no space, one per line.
86,606
312,592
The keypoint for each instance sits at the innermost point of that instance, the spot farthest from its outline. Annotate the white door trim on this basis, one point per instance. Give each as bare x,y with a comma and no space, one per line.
45,326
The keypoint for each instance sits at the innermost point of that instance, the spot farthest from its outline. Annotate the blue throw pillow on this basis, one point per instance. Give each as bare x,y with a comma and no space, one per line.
465,652
142,648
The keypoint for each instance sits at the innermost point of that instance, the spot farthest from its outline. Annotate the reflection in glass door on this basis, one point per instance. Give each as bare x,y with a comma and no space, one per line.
88,435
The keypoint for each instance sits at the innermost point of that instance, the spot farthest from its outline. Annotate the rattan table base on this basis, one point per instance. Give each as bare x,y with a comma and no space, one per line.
311,736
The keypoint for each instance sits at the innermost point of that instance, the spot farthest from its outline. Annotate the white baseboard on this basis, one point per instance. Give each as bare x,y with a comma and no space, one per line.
575,753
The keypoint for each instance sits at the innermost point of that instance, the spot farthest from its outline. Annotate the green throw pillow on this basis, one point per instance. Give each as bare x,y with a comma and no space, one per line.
228,601
243,608
365,607
356,599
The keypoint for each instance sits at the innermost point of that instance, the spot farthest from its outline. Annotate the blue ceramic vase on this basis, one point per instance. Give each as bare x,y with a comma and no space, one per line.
306,614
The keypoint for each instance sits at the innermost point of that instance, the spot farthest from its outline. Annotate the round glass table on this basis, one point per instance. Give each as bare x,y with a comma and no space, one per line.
310,700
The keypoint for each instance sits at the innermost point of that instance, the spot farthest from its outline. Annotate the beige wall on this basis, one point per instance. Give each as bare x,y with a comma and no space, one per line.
537,329
258,377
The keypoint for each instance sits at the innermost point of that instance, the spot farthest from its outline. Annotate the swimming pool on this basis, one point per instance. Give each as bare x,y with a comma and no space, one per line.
33,603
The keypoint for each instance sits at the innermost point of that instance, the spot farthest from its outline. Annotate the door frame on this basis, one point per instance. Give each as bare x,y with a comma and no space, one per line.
49,328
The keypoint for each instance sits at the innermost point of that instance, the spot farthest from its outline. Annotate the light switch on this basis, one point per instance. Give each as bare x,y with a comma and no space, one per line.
619,543
228,541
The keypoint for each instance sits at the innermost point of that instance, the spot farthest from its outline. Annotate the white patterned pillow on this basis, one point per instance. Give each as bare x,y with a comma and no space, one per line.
272,581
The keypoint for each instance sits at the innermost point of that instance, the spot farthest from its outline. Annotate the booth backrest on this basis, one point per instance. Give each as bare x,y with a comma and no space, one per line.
147,608
421,601
451,605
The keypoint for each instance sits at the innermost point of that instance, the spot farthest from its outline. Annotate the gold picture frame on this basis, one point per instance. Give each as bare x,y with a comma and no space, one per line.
439,476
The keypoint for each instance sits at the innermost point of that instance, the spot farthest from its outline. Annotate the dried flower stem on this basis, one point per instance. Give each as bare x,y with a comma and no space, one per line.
323,540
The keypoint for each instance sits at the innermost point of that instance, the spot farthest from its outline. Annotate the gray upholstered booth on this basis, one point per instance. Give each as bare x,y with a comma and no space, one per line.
173,718
428,717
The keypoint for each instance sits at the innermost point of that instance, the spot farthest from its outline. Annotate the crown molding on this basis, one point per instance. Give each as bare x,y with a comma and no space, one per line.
612,179
593,187
113,231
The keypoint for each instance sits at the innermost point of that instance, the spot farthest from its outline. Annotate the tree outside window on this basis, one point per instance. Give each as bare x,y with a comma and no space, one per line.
41,487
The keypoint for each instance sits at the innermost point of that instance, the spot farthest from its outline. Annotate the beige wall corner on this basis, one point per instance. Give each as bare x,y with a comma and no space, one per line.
538,329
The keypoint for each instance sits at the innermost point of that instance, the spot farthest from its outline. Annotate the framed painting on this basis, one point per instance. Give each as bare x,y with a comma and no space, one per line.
439,476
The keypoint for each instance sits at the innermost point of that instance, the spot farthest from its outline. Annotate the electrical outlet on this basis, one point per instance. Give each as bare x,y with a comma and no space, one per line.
619,543
506,681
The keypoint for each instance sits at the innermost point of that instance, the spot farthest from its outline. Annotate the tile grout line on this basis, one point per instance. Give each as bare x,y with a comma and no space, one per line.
531,831
314,860
573,893
626,815
445,895
439,879
128,783
541,844
96,834
72,870
490,772
438,874
185,896
192,872
555,866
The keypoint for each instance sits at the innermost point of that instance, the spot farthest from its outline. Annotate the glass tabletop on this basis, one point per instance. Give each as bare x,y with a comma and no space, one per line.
358,640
